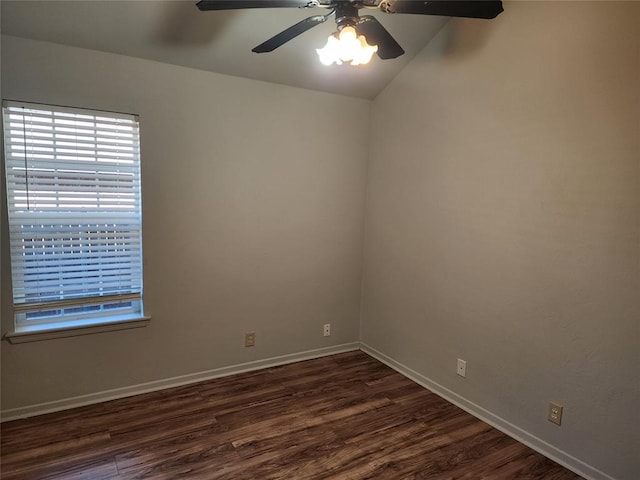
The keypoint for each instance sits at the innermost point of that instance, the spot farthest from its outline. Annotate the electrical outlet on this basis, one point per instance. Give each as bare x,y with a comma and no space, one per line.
462,368
250,339
327,330
555,413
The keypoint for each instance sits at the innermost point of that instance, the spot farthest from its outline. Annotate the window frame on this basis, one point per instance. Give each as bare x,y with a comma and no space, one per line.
95,311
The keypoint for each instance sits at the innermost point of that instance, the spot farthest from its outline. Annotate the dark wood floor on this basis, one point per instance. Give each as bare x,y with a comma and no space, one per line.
341,417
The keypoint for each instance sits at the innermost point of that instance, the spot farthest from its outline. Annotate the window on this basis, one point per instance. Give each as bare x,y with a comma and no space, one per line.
74,209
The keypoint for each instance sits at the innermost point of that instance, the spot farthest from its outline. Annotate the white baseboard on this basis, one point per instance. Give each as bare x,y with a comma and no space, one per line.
572,463
73,402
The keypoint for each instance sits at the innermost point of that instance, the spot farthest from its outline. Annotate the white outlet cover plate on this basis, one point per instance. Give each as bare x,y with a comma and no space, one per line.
462,368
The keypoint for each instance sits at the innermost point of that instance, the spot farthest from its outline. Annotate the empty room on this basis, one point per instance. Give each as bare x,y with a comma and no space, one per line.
320,239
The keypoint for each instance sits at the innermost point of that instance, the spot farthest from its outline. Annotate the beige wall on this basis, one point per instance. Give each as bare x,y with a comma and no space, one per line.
502,222
253,199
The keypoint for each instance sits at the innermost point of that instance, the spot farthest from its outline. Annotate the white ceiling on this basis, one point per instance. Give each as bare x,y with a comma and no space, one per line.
176,32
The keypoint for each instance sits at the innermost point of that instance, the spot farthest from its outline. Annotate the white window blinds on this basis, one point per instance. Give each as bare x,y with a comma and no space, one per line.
73,191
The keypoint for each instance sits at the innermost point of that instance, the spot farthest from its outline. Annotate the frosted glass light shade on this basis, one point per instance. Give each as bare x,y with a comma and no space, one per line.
346,47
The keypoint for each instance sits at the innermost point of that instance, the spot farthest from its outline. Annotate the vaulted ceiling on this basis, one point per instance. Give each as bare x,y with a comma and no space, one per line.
176,32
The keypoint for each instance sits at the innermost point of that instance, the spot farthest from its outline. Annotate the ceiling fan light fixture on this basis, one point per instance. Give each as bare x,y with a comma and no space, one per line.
348,47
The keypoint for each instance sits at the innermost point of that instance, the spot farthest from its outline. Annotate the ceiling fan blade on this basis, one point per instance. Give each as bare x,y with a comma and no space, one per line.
376,34
205,5
449,8
290,33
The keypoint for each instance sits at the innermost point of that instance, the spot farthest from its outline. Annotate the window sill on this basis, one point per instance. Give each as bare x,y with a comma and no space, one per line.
84,327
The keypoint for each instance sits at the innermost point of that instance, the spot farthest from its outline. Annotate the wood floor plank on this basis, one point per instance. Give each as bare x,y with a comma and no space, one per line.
342,417
102,470
28,433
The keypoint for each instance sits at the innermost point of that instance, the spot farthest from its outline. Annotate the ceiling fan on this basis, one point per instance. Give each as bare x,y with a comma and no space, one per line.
363,35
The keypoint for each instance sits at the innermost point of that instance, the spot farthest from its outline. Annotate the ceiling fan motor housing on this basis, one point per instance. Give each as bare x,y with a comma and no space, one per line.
346,15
